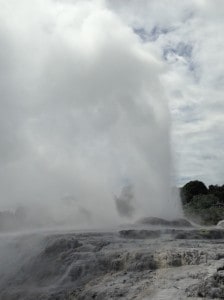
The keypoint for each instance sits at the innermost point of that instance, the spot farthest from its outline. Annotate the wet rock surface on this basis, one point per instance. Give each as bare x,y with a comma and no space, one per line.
164,222
170,263
140,234
200,234
211,288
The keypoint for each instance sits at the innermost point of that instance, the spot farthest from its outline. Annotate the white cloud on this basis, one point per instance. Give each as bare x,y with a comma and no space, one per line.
188,35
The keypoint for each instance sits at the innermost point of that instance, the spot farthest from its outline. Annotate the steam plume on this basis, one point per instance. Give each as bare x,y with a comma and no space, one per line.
82,114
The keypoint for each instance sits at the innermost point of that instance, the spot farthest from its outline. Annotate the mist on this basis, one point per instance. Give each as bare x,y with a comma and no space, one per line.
83,116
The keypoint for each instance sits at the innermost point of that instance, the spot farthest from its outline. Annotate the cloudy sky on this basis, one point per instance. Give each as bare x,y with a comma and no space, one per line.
98,95
187,35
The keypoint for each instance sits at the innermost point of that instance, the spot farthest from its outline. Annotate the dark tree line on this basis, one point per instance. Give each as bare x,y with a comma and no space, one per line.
203,204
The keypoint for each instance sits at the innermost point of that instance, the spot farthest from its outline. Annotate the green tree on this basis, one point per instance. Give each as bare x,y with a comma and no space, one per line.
191,189
218,191
204,209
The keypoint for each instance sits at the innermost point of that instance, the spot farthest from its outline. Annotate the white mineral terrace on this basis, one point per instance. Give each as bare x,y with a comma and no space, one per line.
128,263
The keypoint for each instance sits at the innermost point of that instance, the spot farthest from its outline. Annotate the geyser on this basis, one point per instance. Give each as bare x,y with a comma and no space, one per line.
82,114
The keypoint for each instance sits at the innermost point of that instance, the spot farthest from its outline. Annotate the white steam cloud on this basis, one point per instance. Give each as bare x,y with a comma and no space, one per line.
82,113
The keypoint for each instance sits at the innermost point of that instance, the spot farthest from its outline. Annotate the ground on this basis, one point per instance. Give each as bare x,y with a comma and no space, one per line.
127,263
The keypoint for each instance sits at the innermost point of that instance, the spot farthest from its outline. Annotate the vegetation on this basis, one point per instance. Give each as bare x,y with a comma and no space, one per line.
191,189
201,204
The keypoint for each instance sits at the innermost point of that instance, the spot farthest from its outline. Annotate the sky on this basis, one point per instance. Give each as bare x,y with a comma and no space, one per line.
188,37
101,97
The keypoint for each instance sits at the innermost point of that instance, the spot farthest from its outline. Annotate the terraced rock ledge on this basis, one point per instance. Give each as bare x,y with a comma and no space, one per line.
147,263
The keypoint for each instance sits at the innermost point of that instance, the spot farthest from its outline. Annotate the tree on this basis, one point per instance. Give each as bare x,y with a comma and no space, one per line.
218,191
203,201
191,189
204,209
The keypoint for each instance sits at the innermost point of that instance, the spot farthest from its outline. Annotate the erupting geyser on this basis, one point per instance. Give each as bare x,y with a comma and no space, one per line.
87,115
